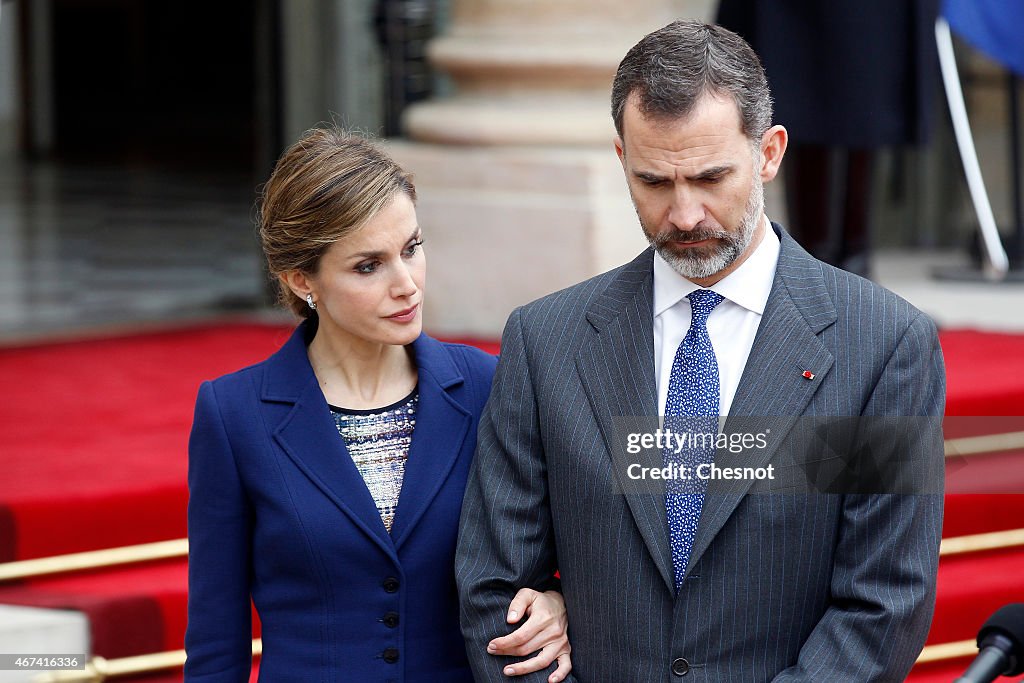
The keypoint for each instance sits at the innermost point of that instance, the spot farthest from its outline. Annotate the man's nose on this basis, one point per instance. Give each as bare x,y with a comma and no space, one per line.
686,211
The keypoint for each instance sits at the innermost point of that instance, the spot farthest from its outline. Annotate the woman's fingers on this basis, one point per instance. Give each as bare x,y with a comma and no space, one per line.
542,619
542,660
521,604
564,667
543,633
530,637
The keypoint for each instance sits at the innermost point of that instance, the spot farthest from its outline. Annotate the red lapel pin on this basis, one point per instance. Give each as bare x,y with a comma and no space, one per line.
808,374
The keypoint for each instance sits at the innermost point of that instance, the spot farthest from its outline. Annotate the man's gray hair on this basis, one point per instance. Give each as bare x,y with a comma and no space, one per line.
671,69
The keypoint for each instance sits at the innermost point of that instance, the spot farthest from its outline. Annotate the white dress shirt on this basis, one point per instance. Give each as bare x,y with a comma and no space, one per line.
731,326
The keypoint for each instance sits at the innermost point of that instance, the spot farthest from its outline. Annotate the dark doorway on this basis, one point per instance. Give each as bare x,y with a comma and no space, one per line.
164,83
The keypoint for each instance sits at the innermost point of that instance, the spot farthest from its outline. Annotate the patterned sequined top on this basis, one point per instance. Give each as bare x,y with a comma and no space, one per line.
378,441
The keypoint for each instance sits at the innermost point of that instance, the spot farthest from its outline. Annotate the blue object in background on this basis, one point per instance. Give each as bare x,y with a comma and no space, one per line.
996,27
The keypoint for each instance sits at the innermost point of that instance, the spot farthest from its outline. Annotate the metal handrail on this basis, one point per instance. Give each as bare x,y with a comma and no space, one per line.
99,669
987,443
946,651
993,540
93,559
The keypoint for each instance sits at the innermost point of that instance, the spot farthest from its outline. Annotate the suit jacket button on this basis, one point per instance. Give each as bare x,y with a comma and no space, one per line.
391,584
390,655
390,619
680,667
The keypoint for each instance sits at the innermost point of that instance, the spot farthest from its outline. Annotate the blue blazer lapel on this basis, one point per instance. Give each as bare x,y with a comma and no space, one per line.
616,368
442,425
308,435
787,343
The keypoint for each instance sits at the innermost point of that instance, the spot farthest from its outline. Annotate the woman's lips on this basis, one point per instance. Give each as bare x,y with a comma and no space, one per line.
406,315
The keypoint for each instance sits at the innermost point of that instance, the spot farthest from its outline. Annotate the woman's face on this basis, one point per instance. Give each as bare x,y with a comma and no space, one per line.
369,287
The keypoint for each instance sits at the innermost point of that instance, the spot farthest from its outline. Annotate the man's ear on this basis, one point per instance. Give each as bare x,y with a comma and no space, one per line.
298,281
773,148
620,151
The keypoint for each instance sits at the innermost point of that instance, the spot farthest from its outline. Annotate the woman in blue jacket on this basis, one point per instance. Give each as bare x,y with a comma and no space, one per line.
326,482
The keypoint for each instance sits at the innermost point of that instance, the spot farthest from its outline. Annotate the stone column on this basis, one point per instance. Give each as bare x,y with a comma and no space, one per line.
531,72
521,193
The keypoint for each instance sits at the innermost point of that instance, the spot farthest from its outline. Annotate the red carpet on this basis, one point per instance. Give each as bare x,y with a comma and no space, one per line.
984,372
971,587
94,439
105,424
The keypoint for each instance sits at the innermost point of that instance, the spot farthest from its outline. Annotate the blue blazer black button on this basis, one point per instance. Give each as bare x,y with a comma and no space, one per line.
390,619
680,667
391,584
390,655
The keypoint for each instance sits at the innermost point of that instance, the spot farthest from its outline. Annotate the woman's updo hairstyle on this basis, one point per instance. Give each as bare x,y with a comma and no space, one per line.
323,188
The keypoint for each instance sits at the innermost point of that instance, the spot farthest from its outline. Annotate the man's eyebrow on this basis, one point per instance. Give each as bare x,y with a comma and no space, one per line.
706,174
649,176
713,172
379,254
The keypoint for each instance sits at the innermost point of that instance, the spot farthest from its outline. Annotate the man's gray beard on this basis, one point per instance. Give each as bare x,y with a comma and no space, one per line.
697,263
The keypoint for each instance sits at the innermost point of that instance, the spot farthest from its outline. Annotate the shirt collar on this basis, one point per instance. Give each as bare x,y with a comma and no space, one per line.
747,286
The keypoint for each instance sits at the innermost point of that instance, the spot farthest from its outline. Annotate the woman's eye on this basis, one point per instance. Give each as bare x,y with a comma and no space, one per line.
367,267
413,248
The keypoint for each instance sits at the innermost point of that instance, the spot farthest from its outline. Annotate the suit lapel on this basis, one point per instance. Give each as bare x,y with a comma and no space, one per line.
616,367
772,384
617,370
442,425
310,438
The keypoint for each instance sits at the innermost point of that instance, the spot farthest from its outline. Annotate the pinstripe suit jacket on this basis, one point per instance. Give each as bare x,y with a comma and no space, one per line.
783,587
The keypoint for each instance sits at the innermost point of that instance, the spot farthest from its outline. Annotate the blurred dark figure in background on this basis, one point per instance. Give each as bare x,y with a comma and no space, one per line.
404,27
848,76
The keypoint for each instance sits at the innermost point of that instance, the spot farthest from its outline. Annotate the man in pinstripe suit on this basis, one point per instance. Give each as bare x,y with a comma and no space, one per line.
777,583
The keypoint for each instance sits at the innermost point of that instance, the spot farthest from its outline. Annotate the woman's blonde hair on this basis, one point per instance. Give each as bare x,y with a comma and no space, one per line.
323,188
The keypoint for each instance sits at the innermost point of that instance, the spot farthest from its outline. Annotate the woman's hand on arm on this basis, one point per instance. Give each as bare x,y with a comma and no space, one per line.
545,631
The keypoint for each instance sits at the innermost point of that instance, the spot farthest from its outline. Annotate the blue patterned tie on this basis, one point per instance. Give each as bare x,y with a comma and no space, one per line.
691,408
